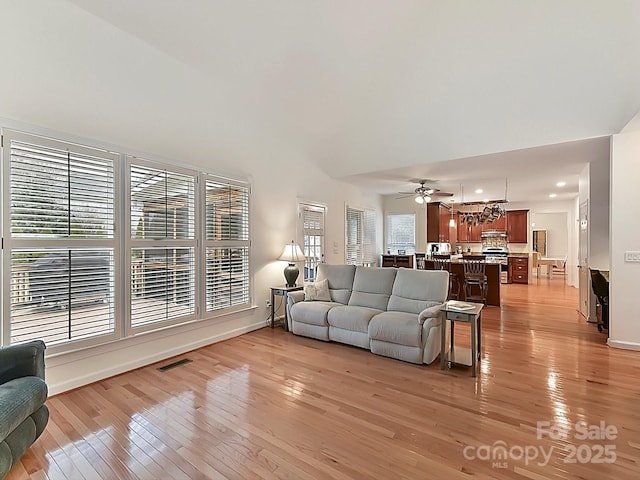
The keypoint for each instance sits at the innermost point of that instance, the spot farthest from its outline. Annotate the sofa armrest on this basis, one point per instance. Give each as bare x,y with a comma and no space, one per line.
431,312
22,360
295,297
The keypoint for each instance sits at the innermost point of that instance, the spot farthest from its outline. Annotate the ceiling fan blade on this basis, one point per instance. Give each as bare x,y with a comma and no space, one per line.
442,194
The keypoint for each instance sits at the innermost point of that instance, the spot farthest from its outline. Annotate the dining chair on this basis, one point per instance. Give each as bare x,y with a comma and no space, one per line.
442,261
475,278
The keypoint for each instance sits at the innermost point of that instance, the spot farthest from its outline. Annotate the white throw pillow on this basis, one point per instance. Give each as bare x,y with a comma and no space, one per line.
318,291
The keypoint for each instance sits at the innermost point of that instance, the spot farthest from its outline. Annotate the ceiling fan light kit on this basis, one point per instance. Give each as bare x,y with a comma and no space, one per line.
423,194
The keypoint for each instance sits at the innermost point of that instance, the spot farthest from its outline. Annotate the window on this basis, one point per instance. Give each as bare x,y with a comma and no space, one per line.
401,233
163,244
227,244
185,253
360,236
60,250
312,222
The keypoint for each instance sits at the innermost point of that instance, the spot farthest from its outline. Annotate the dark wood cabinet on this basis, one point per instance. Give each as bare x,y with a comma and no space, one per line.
438,216
517,226
515,223
468,233
397,261
518,270
499,225
462,233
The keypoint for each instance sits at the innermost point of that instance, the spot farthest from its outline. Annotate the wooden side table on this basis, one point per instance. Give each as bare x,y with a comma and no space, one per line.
281,291
460,355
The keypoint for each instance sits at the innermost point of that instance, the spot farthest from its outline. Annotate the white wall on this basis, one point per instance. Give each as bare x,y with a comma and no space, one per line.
555,225
624,328
277,182
78,78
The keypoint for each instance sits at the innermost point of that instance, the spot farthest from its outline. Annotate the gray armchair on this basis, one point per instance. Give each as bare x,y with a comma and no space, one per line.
23,391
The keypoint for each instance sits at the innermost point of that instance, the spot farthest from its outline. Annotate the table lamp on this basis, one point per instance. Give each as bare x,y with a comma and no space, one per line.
291,253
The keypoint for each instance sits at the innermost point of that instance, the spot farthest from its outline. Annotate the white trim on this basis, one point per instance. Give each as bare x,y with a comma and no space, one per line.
623,345
57,388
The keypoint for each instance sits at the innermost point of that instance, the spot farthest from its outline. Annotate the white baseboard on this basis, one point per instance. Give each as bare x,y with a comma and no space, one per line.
76,382
623,345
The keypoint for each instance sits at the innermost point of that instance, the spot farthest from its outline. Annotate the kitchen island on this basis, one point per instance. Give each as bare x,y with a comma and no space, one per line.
492,270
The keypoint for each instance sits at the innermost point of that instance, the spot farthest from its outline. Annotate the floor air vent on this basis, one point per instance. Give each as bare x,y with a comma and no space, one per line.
179,363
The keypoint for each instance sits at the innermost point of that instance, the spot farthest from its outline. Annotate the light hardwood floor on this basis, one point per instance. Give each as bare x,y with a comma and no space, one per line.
270,404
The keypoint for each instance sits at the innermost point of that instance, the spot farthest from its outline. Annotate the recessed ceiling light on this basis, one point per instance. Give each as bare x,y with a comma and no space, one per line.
479,190
553,195
561,184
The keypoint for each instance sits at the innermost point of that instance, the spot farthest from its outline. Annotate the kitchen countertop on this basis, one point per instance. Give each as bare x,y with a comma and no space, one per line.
459,260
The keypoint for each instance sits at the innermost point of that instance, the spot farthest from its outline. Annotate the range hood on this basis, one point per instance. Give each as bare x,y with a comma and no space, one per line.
493,234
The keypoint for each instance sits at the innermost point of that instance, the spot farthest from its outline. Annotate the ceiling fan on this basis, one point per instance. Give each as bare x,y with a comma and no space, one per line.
424,193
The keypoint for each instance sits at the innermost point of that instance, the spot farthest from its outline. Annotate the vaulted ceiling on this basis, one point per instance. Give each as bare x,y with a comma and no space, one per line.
356,87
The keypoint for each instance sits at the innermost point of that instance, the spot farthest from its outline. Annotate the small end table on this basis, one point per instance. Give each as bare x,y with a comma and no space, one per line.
460,355
282,291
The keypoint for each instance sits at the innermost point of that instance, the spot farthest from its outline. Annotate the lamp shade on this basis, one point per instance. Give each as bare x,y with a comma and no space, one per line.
291,253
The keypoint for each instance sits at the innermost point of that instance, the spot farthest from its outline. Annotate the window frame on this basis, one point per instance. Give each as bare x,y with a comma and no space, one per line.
120,244
235,243
310,265
153,243
11,243
365,246
409,248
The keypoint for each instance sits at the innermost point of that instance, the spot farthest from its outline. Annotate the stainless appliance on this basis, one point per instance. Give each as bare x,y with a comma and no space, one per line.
498,255
443,247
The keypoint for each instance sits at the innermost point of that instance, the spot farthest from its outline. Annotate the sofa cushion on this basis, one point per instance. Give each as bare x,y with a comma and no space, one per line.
396,327
19,398
352,318
317,291
415,290
372,287
312,313
340,279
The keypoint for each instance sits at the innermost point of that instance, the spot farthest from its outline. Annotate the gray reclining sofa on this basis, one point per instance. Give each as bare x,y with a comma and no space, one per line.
392,312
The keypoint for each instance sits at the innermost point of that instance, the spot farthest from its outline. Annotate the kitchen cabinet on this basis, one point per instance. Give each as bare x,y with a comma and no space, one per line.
438,216
462,233
468,233
517,226
499,225
518,270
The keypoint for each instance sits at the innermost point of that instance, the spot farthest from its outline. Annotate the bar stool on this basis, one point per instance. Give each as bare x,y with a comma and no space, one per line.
475,278
442,261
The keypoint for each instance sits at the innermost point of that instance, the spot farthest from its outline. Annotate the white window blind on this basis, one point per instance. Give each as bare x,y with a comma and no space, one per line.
162,216
61,240
227,244
60,193
59,295
369,237
401,232
360,233
312,220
